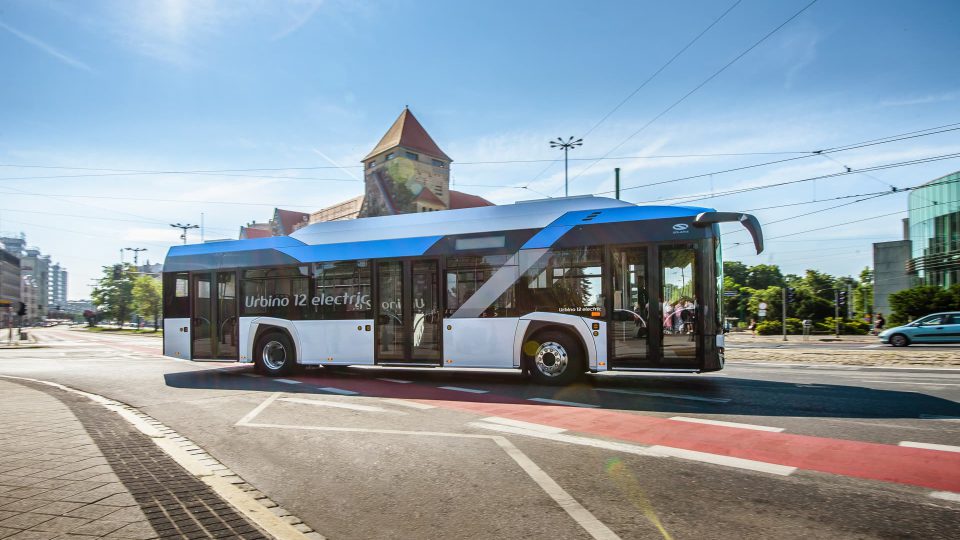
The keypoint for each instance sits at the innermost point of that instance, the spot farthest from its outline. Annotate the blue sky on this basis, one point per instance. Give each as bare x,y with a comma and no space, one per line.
185,86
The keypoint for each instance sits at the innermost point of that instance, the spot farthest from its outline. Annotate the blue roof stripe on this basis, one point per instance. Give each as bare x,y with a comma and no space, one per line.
401,247
546,237
627,213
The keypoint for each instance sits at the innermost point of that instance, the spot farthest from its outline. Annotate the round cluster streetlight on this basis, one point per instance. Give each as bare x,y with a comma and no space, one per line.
567,145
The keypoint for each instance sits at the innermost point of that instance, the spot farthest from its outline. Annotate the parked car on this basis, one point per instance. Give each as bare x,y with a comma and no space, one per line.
935,328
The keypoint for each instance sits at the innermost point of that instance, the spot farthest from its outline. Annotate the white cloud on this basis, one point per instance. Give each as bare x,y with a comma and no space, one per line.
47,48
921,100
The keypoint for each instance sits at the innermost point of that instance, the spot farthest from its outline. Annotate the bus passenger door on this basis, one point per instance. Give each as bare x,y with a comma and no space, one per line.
628,318
680,306
227,329
201,327
407,312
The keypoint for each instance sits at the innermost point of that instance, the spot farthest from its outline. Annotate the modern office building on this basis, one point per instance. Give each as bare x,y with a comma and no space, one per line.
935,232
9,282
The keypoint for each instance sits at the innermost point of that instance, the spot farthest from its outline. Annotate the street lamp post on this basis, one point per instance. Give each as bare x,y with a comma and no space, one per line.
185,228
566,145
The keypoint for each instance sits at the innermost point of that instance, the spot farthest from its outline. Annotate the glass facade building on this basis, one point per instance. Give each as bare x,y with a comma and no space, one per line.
935,231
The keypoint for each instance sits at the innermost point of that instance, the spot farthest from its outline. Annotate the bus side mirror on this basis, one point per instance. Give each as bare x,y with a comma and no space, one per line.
748,221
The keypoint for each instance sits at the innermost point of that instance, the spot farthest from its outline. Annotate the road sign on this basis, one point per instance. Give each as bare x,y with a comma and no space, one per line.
763,305
731,293
763,313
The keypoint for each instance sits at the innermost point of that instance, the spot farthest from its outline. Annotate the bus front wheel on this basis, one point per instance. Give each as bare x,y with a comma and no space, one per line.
275,354
557,360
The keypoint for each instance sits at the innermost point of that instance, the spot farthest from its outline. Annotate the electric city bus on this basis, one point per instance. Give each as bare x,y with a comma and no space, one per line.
556,287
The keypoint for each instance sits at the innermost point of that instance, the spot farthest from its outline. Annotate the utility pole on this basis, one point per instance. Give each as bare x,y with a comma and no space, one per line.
185,228
616,176
783,302
566,145
849,302
136,252
836,312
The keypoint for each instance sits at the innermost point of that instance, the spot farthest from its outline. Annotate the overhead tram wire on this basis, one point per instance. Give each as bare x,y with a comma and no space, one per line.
798,216
689,198
701,85
865,144
663,67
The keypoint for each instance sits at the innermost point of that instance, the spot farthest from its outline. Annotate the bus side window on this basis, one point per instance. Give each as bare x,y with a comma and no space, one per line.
176,295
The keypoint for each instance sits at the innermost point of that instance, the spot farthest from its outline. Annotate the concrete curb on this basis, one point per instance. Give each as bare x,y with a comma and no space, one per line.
254,505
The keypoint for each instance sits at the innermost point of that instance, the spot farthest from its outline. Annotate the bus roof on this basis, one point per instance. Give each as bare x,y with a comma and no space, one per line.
412,234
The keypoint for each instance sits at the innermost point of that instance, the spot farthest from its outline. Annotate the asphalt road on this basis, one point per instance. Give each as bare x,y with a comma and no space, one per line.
840,452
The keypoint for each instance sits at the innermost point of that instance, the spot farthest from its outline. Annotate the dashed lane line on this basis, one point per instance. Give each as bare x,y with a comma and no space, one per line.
521,424
407,403
653,451
287,381
946,495
468,390
663,395
398,381
940,417
337,405
340,391
930,446
922,383
726,424
561,402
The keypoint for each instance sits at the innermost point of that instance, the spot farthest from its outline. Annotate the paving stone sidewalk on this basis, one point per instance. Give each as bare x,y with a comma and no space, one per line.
71,469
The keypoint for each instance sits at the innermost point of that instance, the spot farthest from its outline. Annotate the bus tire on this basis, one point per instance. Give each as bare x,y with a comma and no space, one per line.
275,355
558,359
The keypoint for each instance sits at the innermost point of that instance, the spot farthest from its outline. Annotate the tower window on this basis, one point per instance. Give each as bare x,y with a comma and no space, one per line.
437,163
390,156
371,163
411,155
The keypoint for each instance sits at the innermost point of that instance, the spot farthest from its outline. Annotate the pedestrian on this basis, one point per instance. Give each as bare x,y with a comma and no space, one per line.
878,324
753,326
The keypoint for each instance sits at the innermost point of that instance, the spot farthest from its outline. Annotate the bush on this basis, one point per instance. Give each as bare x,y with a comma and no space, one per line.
852,328
769,328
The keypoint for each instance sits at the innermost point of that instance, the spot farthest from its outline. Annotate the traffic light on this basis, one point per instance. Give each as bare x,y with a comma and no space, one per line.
791,295
117,269
22,310
842,297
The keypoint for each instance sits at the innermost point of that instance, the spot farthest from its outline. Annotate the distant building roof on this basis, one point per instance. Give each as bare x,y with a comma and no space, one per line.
251,232
406,131
428,197
459,199
288,219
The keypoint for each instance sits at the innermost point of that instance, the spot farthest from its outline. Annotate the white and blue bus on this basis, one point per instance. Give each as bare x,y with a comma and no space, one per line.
557,287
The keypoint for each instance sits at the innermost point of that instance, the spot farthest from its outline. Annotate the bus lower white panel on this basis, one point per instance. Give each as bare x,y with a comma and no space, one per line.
581,325
246,352
176,338
486,343
335,342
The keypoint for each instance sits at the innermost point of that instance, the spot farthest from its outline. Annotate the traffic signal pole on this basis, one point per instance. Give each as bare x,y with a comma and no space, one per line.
783,303
836,312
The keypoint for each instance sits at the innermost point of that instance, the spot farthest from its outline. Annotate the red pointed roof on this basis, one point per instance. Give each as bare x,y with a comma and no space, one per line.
429,197
406,131
459,199
251,232
286,219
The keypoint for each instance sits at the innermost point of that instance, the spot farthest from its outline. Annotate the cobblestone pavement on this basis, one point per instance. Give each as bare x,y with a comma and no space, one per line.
71,469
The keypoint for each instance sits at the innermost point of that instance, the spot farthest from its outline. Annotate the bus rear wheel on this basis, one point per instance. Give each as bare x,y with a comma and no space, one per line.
558,359
275,355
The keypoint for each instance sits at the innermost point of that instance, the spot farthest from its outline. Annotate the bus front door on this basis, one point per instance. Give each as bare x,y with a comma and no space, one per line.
407,317
629,319
214,321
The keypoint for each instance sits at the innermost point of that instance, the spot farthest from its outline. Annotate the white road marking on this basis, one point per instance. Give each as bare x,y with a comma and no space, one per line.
929,446
521,424
560,402
340,391
581,515
351,406
809,385
398,381
287,381
407,403
468,390
259,408
653,451
574,509
946,495
726,424
939,417
659,394
924,383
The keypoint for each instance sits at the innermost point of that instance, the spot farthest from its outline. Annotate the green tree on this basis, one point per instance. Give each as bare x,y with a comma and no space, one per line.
764,275
737,271
916,302
113,294
147,298
863,295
